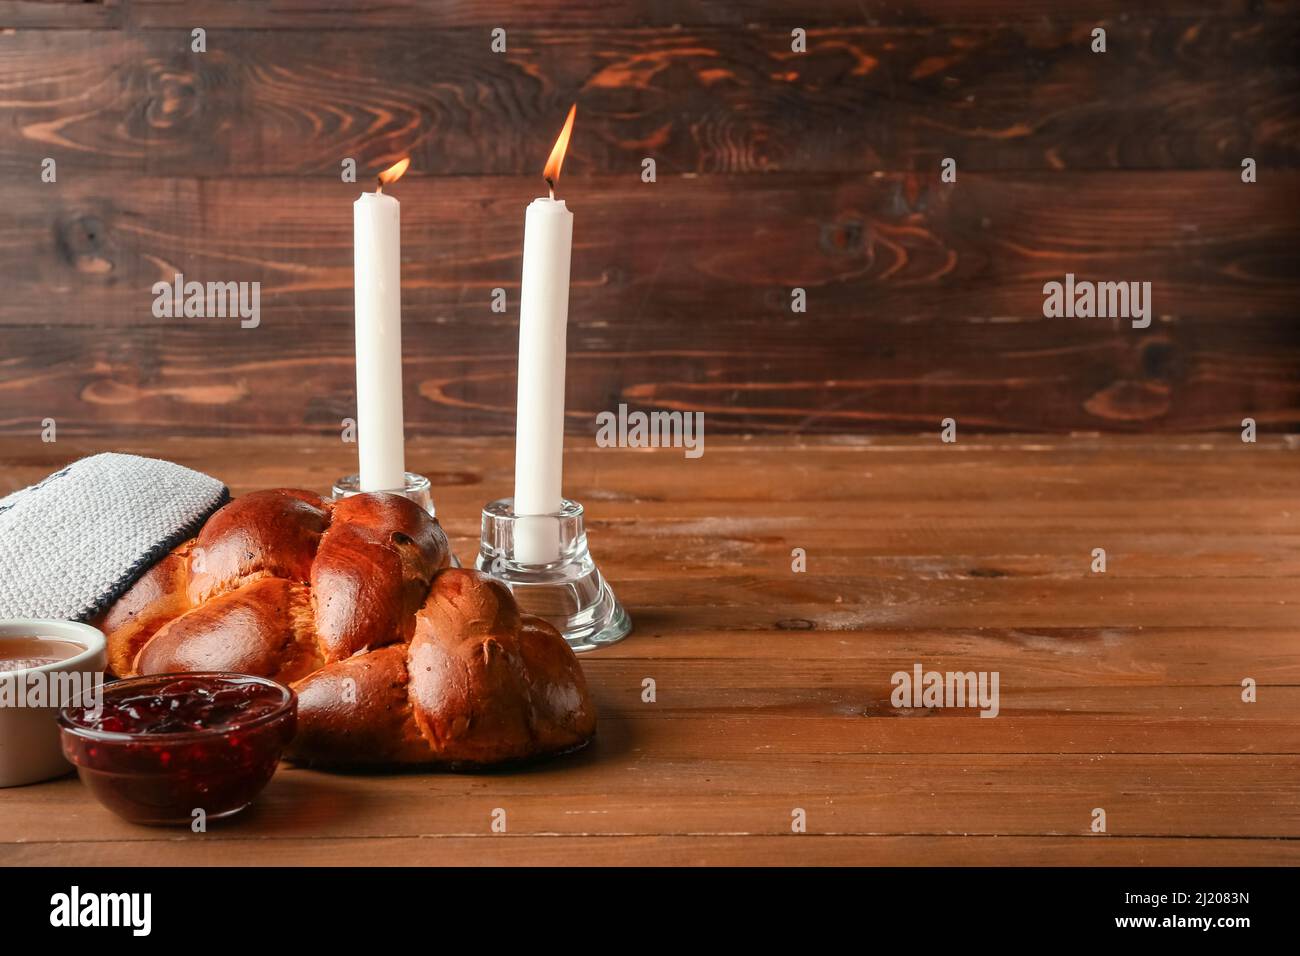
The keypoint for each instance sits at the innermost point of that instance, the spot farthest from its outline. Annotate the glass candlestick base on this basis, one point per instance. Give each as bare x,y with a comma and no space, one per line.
544,561
417,489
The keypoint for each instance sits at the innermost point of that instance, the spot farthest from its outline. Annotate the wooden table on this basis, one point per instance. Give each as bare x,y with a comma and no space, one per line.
1119,690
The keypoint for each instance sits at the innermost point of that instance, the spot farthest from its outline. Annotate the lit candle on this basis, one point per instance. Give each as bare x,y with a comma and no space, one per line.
377,285
543,326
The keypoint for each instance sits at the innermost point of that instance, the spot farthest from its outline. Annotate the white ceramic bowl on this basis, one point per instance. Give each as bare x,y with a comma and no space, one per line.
29,736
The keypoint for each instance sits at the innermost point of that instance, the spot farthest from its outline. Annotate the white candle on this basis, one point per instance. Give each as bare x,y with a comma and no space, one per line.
543,329
377,262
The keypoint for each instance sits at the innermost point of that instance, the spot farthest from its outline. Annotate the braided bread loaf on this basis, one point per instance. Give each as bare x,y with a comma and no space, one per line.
397,658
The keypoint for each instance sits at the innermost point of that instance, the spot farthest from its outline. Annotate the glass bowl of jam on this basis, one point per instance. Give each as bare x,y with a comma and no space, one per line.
175,748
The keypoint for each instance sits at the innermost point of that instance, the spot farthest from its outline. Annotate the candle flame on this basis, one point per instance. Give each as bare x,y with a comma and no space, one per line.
552,171
393,173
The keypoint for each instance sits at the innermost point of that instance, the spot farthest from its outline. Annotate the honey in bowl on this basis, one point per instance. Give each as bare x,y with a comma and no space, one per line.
20,652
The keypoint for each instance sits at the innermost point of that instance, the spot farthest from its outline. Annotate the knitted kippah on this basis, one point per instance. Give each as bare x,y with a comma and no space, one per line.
71,544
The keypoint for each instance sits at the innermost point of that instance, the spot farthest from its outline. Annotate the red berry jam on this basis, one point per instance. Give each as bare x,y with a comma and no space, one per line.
176,748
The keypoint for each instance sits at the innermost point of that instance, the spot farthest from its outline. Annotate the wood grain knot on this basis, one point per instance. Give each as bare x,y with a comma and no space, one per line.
795,624
84,244
1160,360
843,238
1130,401
172,97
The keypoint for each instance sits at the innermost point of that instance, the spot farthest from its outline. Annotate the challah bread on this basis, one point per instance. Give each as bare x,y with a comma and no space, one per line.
397,658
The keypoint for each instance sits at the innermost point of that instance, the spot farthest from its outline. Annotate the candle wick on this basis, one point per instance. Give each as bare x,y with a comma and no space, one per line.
379,188
550,184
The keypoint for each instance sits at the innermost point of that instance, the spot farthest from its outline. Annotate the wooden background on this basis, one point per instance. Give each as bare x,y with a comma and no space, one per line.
1120,690
776,170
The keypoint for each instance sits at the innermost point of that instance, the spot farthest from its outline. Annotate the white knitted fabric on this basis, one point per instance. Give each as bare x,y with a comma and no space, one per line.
71,544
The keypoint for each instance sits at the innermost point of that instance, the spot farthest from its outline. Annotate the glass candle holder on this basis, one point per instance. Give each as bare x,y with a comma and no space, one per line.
544,561
417,489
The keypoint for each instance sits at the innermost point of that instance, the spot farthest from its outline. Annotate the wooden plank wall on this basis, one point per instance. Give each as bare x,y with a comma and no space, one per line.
775,170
